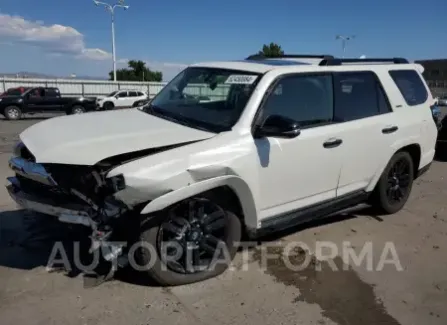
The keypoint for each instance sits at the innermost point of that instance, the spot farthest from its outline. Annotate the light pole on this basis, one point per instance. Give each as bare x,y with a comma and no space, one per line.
111,9
344,40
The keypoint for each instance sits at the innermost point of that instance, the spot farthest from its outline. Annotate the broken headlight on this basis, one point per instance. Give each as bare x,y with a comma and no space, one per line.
116,183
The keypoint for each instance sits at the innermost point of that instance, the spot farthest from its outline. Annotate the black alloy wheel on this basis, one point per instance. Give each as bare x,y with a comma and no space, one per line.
193,236
193,240
398,181
394,186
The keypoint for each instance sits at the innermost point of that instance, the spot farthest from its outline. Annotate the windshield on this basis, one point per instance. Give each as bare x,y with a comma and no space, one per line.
206,98
113,93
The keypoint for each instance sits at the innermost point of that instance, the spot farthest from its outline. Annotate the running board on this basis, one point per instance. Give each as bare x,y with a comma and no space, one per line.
320,210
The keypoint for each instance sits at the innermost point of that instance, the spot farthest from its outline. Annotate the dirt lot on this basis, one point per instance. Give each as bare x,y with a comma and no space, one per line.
410,289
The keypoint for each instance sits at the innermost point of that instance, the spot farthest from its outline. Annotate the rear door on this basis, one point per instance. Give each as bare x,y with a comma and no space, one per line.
369,128
133,97
53,100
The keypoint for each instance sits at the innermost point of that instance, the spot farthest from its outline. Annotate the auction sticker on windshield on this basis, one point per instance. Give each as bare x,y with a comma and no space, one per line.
240,79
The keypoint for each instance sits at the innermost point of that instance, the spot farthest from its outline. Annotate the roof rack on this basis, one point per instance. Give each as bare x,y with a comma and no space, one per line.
290,56
333,61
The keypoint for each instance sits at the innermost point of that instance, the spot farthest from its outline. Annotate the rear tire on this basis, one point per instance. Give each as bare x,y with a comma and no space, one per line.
12,113
77,109
153,231
394,186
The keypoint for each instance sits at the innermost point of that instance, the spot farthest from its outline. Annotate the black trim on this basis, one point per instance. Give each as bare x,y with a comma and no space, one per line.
333,61
290,56
332,143
319,210
390,129
423,170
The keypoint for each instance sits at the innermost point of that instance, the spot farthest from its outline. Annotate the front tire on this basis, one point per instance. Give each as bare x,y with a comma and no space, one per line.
12,113
395,184
108,106
190,246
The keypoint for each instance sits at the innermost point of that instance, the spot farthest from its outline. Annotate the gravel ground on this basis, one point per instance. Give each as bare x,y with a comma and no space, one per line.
412,290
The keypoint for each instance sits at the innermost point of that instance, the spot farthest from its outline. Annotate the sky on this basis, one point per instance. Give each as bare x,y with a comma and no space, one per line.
64,37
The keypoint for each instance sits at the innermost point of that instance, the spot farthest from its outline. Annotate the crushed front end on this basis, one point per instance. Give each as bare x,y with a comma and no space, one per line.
74,194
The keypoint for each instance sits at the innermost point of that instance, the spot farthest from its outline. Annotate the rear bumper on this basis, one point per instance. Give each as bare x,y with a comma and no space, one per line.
73,214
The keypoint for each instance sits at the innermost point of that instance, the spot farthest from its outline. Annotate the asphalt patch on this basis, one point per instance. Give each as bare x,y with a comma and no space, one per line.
343,296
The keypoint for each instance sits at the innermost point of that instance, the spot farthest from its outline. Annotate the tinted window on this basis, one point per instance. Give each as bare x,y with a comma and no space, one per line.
305,99
140,94
411,86
122,94
51,92
13,92
132,94
358,95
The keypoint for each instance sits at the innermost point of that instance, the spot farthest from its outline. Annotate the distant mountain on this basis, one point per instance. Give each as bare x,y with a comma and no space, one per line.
34,75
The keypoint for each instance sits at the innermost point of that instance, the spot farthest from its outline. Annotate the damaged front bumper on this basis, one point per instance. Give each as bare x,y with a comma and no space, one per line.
69,213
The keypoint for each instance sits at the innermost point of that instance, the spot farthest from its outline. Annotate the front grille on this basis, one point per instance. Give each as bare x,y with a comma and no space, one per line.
56,194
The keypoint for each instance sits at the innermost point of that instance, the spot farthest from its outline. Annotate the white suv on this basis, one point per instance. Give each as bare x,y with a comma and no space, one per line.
120,99
281,141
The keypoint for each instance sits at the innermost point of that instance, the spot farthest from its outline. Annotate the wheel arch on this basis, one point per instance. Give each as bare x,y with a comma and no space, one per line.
414,149
236,191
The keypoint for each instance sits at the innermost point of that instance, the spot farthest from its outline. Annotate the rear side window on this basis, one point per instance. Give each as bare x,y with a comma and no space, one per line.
411,86
358,95
51,92
133,94
13,92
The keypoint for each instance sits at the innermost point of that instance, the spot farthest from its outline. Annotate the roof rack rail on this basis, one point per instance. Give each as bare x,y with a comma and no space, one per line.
290,56
334,61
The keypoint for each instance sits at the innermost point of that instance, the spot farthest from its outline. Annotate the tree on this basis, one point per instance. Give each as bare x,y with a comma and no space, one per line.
271,51
137,71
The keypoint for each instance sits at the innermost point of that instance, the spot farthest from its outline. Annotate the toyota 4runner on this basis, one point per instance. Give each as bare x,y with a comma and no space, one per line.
282,141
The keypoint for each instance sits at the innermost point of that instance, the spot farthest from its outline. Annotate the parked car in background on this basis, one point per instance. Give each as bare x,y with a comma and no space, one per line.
14,91
441,143
42,100
121,99
442,100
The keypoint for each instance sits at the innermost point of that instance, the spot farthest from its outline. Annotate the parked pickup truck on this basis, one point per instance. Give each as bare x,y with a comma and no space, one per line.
43,99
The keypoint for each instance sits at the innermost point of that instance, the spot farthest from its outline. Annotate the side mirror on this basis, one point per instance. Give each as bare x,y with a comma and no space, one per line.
279,127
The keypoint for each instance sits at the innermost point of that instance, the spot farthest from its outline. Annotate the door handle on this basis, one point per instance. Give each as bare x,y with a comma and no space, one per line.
332,143
390,129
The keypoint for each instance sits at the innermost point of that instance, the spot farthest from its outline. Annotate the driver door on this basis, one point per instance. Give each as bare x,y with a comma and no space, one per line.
123,99
301,171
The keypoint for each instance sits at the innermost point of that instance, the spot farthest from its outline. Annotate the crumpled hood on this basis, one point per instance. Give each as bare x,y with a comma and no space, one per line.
86,139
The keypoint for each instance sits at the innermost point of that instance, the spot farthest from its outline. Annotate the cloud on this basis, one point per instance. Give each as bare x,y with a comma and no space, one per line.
54,39
59,41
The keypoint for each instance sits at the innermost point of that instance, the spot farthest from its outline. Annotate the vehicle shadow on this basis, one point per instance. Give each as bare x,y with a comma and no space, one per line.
27,241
